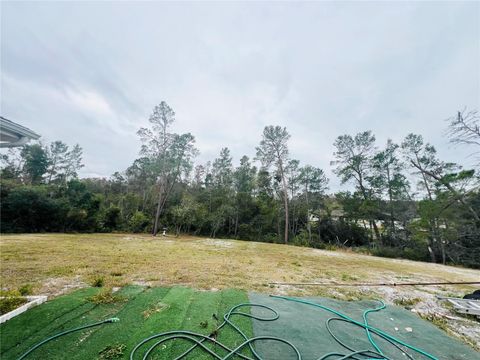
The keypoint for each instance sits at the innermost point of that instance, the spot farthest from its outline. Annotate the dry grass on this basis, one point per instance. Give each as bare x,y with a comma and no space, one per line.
53,264
49,261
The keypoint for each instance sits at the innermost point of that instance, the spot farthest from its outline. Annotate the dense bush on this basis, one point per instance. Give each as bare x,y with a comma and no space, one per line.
111,218
138,222
31,209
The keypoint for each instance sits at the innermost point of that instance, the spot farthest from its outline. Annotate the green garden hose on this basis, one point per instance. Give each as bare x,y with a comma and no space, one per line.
200,341
391,339
43,342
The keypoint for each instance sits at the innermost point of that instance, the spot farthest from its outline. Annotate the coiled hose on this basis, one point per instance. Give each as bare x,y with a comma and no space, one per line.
369,354
199,340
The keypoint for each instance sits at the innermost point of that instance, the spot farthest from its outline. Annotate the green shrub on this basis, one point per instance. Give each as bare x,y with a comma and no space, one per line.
98,281
31,209
301,239
138,222
10,301
26,289
111,218
386,252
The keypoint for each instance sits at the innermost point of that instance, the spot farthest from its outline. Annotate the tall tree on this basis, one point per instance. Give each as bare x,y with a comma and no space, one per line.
141,176
73,162
12,164
273,149
35,163
170,153
435,175
292,171
313,181
57,160
221,193
388,178
244,184
423,157
222,169
354,162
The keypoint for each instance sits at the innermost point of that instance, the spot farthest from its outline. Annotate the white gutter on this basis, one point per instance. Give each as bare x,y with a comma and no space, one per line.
14,135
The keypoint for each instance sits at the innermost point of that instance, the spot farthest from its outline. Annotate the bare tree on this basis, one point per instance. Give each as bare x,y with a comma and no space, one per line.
464,129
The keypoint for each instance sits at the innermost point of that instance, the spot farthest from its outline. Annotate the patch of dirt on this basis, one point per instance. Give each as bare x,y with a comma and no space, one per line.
142,283
420,300
330,253
428,306
218,243
53,287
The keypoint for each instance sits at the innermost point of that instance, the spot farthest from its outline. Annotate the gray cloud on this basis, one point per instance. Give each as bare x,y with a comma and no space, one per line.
91,72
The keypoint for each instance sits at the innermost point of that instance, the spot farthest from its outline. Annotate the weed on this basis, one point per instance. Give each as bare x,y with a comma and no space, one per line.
112,352
155,309
99,281
406,302
105,297
10,301
204,324
26,289
347,277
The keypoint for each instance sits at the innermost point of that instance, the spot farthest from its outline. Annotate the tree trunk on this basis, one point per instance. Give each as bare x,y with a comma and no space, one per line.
432,254
159,210
236,225
309,228
285,203
375,229
390,198
442,247
366,197
278,228
144,199
157,216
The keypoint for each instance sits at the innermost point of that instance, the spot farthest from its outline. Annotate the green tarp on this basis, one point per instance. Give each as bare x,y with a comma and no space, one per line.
305,326
147,311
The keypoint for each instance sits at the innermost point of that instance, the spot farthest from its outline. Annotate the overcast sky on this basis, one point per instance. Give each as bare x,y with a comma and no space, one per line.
90,73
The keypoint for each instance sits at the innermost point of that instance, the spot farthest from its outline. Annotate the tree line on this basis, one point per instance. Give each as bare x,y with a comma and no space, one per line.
404,200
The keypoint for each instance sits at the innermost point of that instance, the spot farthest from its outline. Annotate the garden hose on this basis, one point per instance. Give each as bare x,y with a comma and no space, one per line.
200,341
377,355
43,342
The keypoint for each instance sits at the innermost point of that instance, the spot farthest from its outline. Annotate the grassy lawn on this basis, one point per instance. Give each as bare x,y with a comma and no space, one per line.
54,262
58,263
